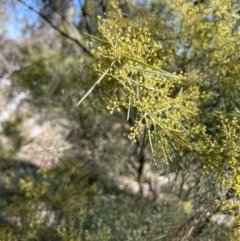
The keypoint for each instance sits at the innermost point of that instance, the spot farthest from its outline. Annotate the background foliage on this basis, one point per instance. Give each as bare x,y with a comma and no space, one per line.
164,165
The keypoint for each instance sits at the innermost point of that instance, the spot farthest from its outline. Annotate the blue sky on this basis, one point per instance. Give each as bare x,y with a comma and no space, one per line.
20,15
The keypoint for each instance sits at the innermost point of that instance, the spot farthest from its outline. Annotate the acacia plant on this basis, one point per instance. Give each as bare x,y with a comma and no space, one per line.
180,78
171,69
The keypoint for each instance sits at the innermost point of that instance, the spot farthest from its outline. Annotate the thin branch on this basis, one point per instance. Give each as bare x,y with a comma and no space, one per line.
55,27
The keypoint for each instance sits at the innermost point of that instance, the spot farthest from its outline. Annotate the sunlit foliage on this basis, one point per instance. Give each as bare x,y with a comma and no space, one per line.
168,73
175,111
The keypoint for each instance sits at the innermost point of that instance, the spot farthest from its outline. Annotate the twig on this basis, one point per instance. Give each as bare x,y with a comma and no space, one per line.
55,27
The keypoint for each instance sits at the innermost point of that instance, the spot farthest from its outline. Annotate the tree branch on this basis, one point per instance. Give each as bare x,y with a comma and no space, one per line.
55,27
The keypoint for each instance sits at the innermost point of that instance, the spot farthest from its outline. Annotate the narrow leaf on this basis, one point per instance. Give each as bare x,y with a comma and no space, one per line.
98,39
160,72
96,83
150,142
129,108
